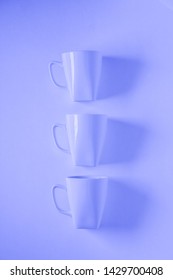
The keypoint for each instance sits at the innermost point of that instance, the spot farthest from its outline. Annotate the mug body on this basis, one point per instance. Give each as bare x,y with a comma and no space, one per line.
82,71
86,134
87,196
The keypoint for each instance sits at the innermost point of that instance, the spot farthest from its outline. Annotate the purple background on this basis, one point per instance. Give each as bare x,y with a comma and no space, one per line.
136,91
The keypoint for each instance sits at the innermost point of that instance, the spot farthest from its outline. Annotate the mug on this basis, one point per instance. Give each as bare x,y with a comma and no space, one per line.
86,134
87,197
82,72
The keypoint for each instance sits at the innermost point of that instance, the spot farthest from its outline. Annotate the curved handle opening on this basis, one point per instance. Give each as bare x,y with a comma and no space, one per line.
51,65
59,125
62,211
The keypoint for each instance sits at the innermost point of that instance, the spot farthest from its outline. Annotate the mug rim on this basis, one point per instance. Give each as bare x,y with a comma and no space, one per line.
86,114
84,177
81,51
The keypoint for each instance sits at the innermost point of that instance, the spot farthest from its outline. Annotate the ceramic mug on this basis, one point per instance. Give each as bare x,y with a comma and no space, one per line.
82,72
86,134
87,197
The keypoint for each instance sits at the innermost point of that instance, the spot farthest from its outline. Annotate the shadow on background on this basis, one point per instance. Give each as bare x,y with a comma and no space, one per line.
123,141
125,207
168,3
118,76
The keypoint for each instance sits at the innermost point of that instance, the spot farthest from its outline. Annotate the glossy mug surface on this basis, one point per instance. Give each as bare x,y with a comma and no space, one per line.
87,197
82,72
86,135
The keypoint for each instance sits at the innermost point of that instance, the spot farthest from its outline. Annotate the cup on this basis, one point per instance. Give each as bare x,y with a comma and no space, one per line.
87,197
86,135
82,72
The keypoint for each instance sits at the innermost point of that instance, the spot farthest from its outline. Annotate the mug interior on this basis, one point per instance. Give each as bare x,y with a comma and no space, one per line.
81,51
87,115
87,177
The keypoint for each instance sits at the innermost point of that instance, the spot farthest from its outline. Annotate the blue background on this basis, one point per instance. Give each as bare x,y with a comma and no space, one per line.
136,92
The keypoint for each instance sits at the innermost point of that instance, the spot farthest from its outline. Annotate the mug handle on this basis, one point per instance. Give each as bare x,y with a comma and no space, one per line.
62,211
59,63
59,125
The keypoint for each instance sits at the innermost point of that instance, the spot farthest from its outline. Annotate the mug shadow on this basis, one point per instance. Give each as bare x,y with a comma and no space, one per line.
118,76
123,141
126,206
